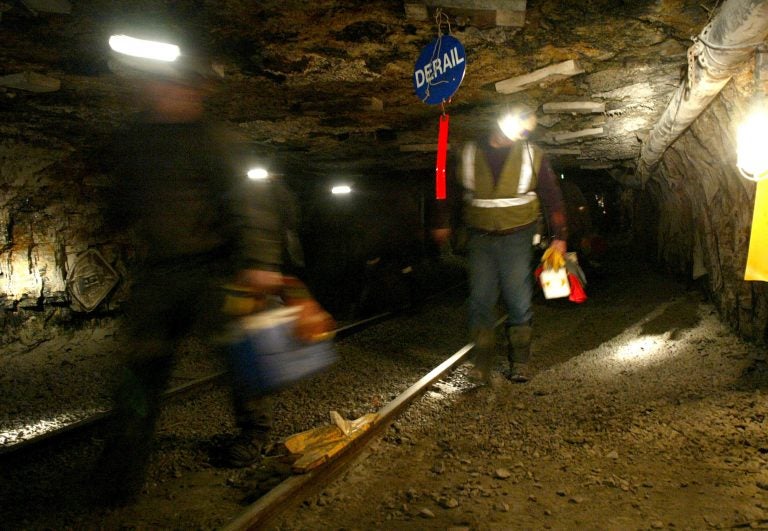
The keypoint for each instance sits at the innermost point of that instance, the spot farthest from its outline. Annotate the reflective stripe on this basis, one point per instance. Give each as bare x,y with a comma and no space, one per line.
505,202
526,171
468,160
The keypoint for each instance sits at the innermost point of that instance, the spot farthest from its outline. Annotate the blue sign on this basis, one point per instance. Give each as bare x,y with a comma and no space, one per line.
439,70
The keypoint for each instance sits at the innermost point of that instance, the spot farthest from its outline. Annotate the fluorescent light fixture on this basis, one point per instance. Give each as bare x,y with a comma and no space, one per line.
341,189
159,51
258,174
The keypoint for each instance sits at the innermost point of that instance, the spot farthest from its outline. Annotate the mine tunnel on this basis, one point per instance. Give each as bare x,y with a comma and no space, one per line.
646,408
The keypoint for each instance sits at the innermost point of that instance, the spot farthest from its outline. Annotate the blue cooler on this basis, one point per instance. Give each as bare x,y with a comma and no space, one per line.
266,356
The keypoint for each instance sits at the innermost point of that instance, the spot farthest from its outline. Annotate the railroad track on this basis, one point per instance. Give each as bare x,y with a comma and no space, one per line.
299,487
401,352
302,486
98,419
93,422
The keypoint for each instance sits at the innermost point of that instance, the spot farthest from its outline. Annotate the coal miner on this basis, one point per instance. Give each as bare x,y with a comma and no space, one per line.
197,222
506,184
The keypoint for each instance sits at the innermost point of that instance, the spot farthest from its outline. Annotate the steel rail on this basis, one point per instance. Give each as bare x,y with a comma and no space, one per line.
93,421
99,418
301,486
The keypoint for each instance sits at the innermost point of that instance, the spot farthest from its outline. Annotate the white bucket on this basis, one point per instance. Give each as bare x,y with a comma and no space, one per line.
555,283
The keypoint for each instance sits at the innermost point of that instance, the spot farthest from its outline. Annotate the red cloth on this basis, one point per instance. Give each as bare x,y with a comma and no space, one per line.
578,295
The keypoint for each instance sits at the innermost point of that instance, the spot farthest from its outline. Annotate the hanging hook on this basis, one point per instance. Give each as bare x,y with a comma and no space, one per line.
441,17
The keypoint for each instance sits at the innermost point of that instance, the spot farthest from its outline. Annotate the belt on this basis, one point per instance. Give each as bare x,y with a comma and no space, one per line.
501,232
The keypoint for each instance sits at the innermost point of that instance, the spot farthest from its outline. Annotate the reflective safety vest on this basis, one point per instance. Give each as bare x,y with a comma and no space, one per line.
509,202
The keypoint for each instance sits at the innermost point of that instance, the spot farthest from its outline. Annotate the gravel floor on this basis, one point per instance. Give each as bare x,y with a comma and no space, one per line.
645,412
48,487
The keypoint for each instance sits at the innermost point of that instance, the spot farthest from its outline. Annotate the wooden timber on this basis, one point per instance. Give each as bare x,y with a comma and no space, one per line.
479,13
547,74
575,107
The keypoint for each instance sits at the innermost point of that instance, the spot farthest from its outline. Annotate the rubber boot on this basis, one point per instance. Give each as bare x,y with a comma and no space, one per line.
485,341
519,342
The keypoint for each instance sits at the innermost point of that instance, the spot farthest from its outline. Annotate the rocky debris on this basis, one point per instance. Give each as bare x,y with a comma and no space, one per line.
605,438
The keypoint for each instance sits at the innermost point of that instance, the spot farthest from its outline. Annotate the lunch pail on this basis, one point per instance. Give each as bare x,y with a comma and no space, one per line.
266,356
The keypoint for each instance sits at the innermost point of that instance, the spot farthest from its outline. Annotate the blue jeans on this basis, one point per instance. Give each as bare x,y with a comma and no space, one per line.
500,264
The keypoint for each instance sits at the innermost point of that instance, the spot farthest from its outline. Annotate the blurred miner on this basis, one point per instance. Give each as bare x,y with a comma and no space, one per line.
198,224
506,182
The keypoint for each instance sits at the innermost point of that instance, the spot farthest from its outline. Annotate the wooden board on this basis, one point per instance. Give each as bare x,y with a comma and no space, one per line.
548,74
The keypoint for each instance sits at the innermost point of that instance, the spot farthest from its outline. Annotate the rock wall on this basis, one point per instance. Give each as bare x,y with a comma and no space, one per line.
705,213
51,212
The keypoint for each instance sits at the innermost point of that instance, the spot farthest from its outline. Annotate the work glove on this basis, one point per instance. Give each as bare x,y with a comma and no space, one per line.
552,259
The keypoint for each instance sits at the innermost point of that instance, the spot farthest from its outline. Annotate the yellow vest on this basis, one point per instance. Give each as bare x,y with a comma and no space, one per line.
508,203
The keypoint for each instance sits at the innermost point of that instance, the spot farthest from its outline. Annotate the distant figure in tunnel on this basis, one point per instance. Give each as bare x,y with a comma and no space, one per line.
506,181
198,223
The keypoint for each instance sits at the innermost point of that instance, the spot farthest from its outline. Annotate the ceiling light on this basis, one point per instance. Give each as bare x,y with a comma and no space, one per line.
341,189
258,174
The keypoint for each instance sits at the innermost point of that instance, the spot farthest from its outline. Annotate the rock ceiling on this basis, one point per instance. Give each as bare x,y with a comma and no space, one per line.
325,87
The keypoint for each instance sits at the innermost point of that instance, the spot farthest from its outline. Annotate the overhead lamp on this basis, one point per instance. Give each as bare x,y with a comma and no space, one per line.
258,174
341,189
159,51
751,155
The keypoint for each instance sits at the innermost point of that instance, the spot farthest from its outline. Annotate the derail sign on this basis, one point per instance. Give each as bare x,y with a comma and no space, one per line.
439,70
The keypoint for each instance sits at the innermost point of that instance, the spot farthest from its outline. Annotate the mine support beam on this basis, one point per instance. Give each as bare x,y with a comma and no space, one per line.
480,13
721,49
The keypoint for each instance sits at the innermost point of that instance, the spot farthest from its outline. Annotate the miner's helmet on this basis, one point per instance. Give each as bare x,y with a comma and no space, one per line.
516,121
159,51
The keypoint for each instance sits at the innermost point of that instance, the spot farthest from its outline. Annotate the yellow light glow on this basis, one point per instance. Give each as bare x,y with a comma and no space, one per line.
751,156
641,348
134,47
20,278
341,189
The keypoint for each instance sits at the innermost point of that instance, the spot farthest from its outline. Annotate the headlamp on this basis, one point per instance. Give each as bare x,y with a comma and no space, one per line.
517,122
512,126
145,49
135,57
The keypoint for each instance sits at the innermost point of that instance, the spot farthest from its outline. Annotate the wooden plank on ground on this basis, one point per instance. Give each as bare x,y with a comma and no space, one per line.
549,73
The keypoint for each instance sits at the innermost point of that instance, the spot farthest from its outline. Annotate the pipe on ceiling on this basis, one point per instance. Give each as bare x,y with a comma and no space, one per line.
720,50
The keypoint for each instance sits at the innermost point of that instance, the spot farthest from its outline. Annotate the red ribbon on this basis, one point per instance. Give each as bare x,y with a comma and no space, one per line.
442,149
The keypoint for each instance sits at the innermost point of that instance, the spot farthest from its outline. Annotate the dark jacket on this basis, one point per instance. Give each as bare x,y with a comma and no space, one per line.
182,190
